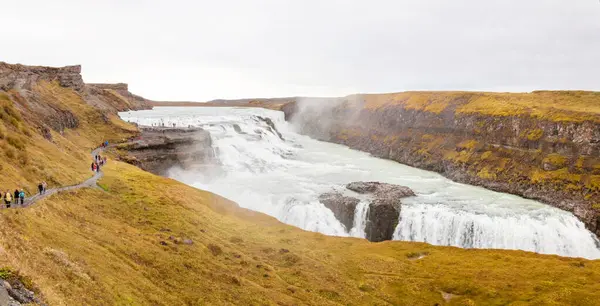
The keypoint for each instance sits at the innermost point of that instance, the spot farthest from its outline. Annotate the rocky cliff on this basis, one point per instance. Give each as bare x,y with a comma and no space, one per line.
21,77
45,113
42,95
116,97
158,149
25,80
540,145
383,212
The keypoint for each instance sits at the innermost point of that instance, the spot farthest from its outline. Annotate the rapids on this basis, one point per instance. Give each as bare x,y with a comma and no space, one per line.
284,176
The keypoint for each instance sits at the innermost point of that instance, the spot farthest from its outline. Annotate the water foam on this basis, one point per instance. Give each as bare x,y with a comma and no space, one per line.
284,178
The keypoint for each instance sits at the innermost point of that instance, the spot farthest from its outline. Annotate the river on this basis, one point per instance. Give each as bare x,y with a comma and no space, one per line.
284,176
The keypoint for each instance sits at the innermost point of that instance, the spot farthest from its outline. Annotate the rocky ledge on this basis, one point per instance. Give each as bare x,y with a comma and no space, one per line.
383,212
158,149
14,293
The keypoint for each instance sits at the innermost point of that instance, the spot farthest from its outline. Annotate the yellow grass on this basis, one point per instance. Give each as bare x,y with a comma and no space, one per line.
123,244
107,251
27,158
573,106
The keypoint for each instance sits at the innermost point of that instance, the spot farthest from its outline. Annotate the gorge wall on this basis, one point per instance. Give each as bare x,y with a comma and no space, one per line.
540,145
49,118
158,149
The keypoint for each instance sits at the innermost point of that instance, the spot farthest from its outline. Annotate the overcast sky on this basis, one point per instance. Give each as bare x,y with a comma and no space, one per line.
201,50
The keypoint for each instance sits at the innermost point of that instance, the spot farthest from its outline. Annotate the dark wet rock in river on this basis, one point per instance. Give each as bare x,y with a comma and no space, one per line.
384,208
271,125
238,129
382,219
381,189
343,207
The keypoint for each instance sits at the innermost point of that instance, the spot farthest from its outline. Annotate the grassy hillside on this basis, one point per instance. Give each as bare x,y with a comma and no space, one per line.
125,246
32,151
572,106
141,239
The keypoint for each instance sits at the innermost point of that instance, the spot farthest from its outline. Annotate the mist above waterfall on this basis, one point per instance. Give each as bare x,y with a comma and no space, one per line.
284,177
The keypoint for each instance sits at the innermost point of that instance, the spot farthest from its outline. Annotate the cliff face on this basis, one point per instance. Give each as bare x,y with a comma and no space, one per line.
159,149
39,94
541,145
49,118
115,97
21,77
25,80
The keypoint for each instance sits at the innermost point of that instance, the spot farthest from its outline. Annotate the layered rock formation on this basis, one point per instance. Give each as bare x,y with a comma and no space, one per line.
383,212
158,149
343,207
32,91
21,77
541,145
116,97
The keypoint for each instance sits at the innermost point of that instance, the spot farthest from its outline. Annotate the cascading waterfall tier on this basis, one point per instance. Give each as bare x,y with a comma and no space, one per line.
283,176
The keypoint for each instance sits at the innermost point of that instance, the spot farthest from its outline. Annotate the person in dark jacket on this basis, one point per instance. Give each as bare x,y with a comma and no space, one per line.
16,197
40,188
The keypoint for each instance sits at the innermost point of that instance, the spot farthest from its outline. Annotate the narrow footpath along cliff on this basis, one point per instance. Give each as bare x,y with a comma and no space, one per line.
543,145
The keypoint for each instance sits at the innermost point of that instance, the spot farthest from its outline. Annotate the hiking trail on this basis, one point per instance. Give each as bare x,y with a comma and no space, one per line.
91,183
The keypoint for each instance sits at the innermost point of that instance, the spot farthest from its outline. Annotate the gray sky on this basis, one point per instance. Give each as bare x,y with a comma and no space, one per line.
201,50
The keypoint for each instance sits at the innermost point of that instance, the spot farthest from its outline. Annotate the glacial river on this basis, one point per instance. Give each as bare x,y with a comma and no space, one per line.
284,177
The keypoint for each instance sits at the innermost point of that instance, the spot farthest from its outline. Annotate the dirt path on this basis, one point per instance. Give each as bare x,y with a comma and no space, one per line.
89,183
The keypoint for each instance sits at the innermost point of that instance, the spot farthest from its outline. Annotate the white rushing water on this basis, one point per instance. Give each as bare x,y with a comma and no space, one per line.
283,178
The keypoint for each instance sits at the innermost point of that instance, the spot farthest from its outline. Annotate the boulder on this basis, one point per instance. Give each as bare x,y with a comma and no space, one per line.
382,218
384,207
381,189
342,207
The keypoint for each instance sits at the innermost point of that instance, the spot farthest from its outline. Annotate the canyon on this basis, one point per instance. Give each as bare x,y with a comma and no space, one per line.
158,149
543,145
120,243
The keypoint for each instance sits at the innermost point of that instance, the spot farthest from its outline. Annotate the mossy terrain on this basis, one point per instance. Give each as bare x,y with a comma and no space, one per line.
572,106
127,245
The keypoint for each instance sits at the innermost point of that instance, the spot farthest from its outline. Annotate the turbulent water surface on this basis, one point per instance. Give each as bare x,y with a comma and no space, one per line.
284,176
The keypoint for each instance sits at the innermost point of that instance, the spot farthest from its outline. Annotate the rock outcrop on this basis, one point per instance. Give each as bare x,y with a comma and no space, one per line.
383,212
14,293
19,77
158,149
343,207
116,97
384,209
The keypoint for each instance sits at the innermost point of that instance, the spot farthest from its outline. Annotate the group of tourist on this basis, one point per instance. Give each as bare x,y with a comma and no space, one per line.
42,187
18,197
98,162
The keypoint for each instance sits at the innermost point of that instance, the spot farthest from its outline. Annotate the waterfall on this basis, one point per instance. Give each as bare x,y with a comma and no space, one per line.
548,233
283,177
360,220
